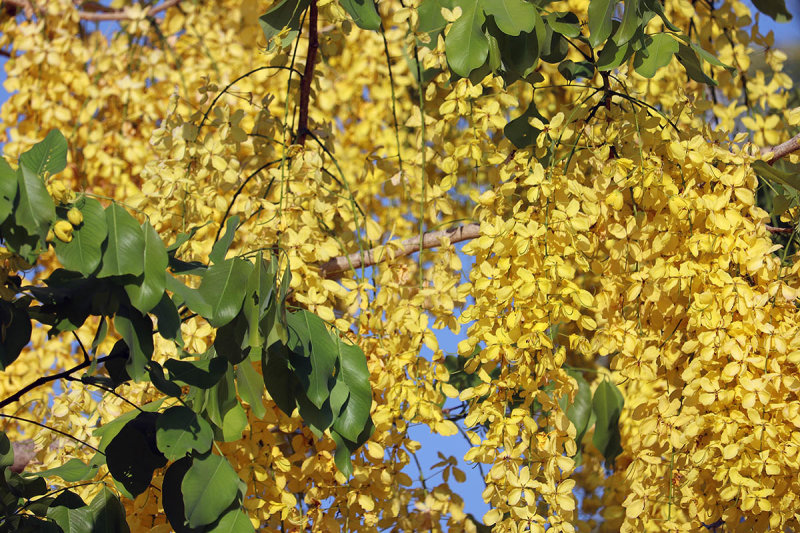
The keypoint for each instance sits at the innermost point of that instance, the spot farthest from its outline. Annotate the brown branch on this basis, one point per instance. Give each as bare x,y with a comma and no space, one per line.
308,75
338,265
783,149
773,229
96,12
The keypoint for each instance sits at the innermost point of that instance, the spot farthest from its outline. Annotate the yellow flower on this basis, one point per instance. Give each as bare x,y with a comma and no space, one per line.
63,230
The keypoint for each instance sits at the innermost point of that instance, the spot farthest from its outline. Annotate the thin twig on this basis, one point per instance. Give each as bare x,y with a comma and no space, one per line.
45,426
47,379
431,239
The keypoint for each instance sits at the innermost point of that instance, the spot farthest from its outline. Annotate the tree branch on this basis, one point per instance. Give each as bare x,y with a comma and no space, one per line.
431,239
783,149
308,75
97,12
47,379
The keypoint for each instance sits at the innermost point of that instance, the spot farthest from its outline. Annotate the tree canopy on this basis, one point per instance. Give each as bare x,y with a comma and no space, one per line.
231,231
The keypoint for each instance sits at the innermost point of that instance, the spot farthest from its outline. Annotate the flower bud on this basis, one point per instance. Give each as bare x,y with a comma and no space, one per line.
75,216
63,230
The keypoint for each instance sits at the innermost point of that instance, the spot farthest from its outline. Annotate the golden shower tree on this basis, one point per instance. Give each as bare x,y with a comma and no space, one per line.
231,229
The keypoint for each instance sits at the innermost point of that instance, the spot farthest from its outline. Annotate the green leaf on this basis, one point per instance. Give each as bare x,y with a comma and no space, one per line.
313,354
137,331
171,496
230,340
555,47
179,431
145,293
46,157
600,15
221,247
364,13
82,254
318,419
580,410
191,297
567,24
656,7
15,332
203,374
183,238
234,521
283,14
342,455
519,131
224,410
278,378
209,487
688,58
124,248
132,455
8,189
71,520
354,373
107,432
710,58
511,16
607,406
613,55
234,422
251,388
169,321
108,514
466,45
72,471
571,70
431,21
775,9
19,241
631,21
34,209
656,54
777,175
521,54
160,381
223,287
6,451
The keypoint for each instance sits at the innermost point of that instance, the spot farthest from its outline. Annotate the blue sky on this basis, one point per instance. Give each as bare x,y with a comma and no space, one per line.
457,446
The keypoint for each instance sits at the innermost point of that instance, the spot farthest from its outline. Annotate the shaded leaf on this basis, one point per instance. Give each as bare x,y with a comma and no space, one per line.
775,9
284,14
363,12
179,431
203,374
607,406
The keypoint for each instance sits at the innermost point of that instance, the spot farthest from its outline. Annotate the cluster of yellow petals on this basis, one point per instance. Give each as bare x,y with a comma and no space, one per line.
617,244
